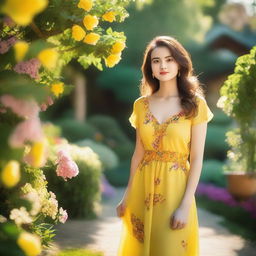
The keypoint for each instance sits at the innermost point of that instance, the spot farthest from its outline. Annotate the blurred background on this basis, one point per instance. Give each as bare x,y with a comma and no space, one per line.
93,117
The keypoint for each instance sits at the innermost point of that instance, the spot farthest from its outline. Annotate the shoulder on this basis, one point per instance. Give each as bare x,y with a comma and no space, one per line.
200,99
139,100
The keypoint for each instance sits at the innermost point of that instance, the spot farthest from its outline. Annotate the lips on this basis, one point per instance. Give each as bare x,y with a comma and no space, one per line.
163,73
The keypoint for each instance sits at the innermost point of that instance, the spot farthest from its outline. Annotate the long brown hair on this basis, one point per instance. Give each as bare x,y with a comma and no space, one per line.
188,84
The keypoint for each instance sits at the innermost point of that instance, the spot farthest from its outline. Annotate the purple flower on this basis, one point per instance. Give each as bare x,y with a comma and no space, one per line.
29,67
6,44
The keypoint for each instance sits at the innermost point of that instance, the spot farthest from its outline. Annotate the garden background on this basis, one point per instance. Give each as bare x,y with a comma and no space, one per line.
69,73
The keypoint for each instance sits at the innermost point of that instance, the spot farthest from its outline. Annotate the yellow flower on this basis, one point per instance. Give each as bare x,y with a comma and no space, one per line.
90,22
29,243
85,4
20,49
109,16
78,33
57,88
48,57
117,47
112,60
37,154
23,12
92,38
11,174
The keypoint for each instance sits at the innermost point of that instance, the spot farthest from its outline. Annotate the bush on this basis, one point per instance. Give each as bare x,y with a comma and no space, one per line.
74,130
107,156
216,146
119,176
81,194
112,135
212,173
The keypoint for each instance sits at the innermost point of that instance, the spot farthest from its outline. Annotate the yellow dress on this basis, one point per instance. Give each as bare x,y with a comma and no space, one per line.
159,184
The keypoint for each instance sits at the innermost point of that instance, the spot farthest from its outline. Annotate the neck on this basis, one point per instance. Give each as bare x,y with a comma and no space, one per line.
168,88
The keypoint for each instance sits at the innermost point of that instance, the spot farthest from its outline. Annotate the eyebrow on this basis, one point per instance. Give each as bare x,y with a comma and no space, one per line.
159,58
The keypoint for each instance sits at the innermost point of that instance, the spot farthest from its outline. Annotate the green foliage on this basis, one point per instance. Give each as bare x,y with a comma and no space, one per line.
81,194
113,136
216,148
107,156
123,81
74,130
238,101
119,176
212,173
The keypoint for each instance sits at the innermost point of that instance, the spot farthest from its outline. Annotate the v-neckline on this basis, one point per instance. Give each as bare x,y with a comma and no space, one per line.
153,116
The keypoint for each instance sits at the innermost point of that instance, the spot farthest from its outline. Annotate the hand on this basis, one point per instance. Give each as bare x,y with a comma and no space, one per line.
120,209
179,218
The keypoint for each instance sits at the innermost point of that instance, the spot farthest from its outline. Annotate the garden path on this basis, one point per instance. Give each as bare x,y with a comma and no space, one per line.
103,234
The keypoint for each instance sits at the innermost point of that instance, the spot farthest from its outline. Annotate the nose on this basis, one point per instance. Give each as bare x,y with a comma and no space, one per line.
163,65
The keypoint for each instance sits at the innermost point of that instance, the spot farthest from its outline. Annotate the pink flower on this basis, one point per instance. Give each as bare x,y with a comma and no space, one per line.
23,108
63,215
66,167
5,45
29,67
28,130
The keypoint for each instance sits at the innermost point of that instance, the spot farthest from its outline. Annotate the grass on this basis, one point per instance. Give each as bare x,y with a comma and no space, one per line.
79,252
236,219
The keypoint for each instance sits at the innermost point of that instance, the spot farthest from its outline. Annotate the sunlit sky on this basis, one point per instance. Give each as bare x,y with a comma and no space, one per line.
248,4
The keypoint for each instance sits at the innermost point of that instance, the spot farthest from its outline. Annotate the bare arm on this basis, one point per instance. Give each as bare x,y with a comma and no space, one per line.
198,135
135,160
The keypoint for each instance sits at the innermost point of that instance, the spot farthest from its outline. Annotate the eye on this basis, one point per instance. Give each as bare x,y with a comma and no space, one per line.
170,59
155,61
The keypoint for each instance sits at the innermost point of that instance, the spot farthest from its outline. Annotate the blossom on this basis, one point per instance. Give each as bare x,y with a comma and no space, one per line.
33,197
109,16
117,47
29,243
78,33
11,174
50,206
48,57
20,49
66,167
29,67
37,154
85,4
112,60
57,88
28,130
23,108
6,44
22,12
20,216
63,216
90,22
91,38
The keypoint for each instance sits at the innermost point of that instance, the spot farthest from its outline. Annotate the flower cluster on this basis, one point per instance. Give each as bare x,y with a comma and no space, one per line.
63,216
20,216
6,44
10,174
22,12
29,67
66,167
221,194
50,206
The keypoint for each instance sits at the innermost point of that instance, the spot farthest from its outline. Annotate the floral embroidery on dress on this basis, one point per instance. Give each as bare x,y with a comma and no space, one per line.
138,228
160,129
179,159
184,244
177,165
157,198
157,181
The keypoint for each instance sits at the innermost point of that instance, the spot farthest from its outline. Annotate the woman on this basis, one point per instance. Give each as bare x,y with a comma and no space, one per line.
158,208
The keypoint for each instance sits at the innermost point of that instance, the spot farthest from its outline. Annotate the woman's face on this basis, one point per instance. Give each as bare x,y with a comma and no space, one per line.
164,67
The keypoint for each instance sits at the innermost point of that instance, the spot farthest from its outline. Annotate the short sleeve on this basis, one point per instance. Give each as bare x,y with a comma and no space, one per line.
204,114
134,116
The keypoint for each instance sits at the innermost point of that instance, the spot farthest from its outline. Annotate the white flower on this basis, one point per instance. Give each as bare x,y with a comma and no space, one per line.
20,216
